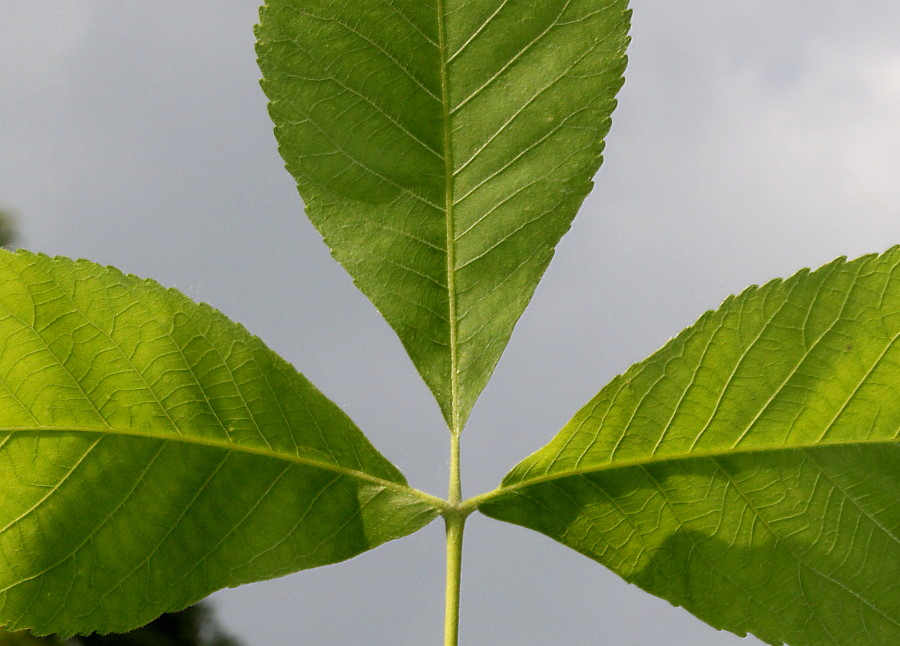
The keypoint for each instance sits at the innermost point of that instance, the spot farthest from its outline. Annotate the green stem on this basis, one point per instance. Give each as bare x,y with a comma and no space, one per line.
455,522
455,525
455,486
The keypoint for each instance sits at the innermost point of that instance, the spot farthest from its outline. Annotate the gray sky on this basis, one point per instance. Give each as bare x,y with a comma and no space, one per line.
752,139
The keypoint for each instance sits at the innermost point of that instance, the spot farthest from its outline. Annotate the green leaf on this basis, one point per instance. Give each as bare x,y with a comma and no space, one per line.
749,470
442,148
152,451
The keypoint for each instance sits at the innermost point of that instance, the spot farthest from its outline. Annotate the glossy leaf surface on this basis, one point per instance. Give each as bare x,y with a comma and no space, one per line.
442,148
152,451
749,470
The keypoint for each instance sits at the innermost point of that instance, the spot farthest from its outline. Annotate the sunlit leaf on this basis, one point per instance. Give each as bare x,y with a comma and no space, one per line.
748,471
152,451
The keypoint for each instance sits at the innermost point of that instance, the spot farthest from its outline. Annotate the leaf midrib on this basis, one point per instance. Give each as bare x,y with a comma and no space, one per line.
434,501
449,228
475,502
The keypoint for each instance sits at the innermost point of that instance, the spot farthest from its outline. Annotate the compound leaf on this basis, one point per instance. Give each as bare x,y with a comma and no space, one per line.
749,470
152,451
442,148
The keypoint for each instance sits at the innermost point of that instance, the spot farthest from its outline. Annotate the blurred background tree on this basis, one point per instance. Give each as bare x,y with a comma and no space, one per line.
7,229
193,626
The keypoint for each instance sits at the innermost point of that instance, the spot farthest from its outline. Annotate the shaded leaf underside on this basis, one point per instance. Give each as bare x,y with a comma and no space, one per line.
152,451
749,470
442,148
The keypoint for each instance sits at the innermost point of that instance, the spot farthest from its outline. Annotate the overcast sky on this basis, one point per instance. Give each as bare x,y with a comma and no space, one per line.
752,139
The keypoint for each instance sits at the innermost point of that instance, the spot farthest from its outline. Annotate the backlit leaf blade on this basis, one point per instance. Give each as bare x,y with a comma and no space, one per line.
442,148
152,451
749,470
